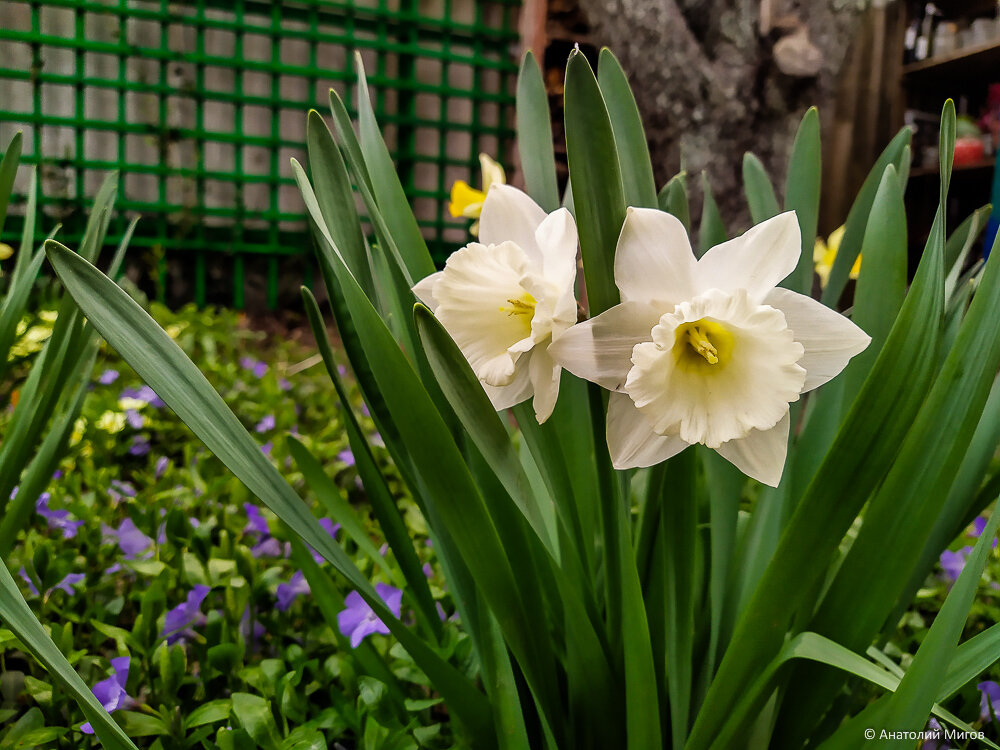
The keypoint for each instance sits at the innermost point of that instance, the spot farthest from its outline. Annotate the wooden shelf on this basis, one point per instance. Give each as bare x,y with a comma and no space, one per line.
981,60
923,171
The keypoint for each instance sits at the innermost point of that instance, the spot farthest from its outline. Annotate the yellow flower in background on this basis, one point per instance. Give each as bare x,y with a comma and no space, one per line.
5,251
111,421
79,427
467,201
824,253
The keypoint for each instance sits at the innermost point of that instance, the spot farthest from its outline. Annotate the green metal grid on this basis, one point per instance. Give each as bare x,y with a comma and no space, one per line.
201,103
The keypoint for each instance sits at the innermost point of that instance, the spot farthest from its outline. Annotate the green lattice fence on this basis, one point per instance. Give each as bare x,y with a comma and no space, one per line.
200,104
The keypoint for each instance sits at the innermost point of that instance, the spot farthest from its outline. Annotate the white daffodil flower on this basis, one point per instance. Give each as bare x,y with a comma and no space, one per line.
505,298
707,351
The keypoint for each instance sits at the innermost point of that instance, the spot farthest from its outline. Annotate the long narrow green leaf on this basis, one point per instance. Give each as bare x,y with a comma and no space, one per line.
332,498
678,528
712,231
859,457
18,618
534,136
388,190
466,395
380,497
960,244
759,190
673,199
912,701
630,138
971,659
960,503
8,171
445,477
336,200
857,217
599,199
802,189
162,364
882,281
13,307
26,252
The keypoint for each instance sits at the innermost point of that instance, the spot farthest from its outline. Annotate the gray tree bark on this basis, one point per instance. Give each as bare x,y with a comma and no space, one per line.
716,78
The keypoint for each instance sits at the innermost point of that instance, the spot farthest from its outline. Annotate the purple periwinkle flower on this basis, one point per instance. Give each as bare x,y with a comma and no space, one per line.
952,563
181,618
68,582
124,488
258,368
358,620
143,393
162,463
56,519
271,547
991,697
256,524
285,385
108,377
289,592
129,538
331,528
346,457
978,527
266,424
57,475
266,448
249,634
140,446
428,570
111,692
935,742
27,579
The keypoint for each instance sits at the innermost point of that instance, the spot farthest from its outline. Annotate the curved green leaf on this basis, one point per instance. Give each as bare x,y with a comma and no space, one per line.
534,135
759,190
802,190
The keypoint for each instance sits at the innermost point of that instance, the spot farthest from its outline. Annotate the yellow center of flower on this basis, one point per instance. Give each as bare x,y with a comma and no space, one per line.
702,346
522,308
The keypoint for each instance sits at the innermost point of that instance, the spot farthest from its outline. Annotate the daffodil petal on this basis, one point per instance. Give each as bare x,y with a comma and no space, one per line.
756,261
510,215
631,439
600,349
424,289
653,261
518,390
463,196
556,237
476,295
829,338
544,374
493,173
761,454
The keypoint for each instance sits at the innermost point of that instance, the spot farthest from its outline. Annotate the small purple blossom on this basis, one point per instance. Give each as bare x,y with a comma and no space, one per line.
258,368
271,547
179,621
935,742
162,463
991,697
289,592
129,538
57,475
140,445
285,385
428,570
111,692
143,393
346,457
124,488
108,377
256,524
331,528
952,563
56,519
135,419
258,630
27,579
68,582
978,527
266,448
266,424
358,620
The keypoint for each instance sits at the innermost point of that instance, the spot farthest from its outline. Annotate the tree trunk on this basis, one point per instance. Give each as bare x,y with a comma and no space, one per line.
716,78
